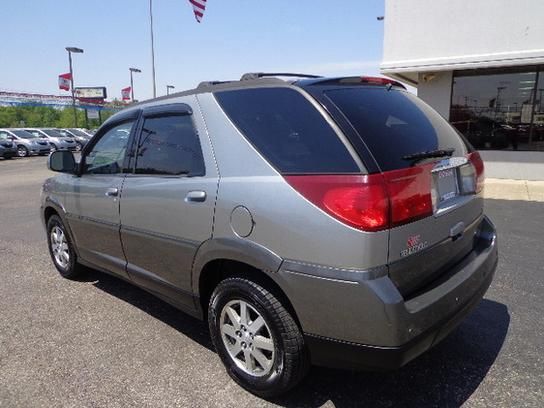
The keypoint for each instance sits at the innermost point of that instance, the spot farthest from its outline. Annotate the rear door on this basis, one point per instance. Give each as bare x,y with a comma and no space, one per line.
437,193
167,203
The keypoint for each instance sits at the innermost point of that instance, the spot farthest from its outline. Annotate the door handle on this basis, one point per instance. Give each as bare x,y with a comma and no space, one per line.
196,196
112,192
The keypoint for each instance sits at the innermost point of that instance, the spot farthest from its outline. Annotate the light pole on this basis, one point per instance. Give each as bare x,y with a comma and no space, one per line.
70,51
132,81
168,87
152,48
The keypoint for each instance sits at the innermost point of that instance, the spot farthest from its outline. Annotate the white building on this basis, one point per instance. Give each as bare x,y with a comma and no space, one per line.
480,63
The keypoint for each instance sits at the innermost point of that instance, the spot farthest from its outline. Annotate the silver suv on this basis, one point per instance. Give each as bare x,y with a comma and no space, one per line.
332,221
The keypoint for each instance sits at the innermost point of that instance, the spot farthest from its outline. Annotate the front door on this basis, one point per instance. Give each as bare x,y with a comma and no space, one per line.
93,199
167,204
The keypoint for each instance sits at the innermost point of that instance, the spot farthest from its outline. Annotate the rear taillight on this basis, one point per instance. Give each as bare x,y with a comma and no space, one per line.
476,160
372,202
410,193
359,201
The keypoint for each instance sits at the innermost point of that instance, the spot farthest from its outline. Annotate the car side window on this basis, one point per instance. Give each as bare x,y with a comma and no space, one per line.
169,145
107,155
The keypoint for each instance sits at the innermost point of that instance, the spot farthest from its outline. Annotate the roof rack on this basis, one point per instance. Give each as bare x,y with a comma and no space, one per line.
256,75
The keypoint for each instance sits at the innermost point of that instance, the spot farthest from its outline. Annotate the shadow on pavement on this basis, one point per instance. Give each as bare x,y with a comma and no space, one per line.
182,322
447,375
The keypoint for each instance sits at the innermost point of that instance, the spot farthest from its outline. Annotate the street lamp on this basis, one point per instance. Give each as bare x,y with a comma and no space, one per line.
168,87
132,81
70,51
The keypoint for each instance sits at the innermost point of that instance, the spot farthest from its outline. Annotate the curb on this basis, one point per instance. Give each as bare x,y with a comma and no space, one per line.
521,190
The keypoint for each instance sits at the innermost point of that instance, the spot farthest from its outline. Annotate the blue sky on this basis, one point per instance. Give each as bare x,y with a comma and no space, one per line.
235,36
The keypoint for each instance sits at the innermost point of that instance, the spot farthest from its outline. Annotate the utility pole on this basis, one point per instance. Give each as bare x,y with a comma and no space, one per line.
70,51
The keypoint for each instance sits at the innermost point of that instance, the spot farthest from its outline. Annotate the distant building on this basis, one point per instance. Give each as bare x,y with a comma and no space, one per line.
479,63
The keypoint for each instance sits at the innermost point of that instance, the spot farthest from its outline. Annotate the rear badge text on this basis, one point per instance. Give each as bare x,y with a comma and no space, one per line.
413,245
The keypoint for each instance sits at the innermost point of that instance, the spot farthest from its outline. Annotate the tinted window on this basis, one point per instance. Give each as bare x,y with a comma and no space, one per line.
78,132
169,145
107,155
24,134
287,130
36,133
395,123
53,133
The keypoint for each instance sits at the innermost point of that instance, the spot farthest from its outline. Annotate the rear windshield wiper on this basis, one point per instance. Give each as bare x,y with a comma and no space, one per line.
429,154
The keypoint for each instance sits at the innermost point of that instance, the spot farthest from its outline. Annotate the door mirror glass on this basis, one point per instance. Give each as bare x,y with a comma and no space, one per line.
62,161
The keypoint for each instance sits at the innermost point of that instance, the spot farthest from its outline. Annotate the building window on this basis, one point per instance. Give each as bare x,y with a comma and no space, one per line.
500,109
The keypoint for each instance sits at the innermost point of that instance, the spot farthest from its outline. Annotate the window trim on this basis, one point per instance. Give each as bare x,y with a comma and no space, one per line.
152,112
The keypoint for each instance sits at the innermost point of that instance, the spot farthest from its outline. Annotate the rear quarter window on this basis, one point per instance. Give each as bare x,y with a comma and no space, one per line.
395,123
287,130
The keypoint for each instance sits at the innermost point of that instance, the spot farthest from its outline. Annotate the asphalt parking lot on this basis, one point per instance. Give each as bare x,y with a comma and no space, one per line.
101,342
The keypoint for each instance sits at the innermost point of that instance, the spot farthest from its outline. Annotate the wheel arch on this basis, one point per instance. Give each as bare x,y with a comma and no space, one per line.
51,208
219,259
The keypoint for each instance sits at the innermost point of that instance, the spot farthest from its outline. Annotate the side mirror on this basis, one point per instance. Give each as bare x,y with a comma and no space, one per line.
62,161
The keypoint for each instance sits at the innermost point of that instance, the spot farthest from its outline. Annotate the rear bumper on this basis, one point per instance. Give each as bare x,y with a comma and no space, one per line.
379,329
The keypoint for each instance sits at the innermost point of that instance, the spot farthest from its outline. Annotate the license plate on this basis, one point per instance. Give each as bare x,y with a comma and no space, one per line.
446,184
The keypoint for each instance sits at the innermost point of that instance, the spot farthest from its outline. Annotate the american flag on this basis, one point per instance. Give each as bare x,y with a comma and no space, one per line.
198,8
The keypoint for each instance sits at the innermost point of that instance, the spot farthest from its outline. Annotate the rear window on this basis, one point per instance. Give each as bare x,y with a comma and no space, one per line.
287,130
394,124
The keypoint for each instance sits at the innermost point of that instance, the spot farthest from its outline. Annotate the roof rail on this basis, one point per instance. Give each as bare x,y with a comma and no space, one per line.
257,75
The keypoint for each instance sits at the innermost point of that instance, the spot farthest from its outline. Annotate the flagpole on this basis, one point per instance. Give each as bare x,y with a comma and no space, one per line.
152,48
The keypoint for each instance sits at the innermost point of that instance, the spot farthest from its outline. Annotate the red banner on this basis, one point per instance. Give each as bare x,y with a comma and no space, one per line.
64,81
125,93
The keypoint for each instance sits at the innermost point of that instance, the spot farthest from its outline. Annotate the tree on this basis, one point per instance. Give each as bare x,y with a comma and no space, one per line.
47,116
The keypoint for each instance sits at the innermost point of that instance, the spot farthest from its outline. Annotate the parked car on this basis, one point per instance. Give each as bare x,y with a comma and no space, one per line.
26,142
79,136
333,221
8,149
55,138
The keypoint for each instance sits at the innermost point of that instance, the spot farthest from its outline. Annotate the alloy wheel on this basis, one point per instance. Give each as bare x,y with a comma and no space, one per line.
59,247
22,151
247,338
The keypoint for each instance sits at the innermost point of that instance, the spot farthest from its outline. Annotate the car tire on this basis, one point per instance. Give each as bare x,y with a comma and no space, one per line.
61,249
8,157
79,146
278,342
53,147
22,151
